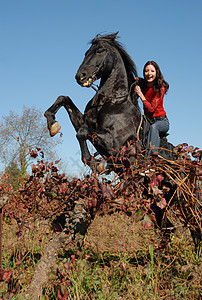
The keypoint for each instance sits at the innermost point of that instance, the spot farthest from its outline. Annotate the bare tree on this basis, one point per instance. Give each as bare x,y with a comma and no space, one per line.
18,133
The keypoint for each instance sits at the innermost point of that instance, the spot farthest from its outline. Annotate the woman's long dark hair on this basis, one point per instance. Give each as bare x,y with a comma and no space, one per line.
159,80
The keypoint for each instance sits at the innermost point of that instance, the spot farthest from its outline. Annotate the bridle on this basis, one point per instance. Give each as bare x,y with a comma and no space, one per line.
98,91
95,87
93,78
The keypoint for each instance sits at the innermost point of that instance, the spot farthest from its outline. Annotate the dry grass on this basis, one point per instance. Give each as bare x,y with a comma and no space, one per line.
117,259
117,233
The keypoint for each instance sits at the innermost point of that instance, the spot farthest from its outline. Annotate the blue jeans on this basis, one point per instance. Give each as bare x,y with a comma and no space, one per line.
156,128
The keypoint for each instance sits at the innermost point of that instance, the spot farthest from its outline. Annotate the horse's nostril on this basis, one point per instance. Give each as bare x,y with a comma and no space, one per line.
83,76
80,77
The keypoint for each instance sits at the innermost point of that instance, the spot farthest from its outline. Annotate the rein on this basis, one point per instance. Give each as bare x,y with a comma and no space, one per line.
125,98
119,97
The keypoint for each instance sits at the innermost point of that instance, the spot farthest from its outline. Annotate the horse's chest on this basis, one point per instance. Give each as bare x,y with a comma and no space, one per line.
97,117
103,117
91,118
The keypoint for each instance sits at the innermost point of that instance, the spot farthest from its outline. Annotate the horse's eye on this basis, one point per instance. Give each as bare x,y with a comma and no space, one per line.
100,50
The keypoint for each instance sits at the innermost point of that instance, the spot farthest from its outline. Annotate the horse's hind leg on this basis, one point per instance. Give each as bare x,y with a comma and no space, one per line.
75,115
197,233
164,224
82,136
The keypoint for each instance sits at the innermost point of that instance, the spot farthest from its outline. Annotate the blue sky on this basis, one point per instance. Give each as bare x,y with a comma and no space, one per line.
43,43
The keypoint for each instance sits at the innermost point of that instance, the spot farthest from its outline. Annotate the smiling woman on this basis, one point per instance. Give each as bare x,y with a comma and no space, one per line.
151,90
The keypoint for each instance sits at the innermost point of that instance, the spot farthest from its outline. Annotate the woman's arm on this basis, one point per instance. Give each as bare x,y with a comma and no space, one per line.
155,101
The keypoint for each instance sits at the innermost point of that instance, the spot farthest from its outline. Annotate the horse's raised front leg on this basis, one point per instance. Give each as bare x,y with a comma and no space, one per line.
75,115
77,120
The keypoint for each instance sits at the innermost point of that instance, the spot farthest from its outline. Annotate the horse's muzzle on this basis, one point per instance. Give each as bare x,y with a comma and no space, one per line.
84,80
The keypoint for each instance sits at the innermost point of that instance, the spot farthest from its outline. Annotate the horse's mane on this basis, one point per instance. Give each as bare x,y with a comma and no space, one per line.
128,62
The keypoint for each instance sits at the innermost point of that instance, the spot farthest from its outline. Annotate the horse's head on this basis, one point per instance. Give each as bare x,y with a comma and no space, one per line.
98,61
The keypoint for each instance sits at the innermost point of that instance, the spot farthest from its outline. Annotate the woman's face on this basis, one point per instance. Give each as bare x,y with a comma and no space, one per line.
150,74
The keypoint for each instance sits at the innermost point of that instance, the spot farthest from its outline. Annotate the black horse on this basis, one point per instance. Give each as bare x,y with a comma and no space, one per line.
112,117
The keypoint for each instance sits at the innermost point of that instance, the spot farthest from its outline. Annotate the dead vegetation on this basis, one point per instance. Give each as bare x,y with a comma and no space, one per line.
128,250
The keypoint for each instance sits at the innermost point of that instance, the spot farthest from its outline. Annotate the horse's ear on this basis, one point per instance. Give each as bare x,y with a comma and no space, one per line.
112,36
115,35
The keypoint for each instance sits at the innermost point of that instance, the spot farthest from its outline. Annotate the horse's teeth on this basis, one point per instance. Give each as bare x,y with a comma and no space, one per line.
85,83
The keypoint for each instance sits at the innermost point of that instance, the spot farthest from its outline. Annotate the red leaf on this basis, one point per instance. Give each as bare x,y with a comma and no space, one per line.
33,154
107,191
162,204
197,154
94,202
190,149
54,169
126,162
156,180
62,188
159,178
33,168
89,204
5,275
146,222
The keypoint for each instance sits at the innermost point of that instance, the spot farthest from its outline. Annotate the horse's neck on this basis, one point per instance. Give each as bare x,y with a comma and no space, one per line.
116,84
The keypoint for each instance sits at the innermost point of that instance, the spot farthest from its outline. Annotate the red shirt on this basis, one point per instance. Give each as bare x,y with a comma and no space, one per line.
153,105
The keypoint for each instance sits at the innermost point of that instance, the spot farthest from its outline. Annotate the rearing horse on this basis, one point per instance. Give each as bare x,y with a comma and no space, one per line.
112,117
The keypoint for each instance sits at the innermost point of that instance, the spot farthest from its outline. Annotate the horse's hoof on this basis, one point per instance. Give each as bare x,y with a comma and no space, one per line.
54,129
100,168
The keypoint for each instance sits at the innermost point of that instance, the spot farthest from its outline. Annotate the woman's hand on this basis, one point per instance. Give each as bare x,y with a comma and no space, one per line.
138,90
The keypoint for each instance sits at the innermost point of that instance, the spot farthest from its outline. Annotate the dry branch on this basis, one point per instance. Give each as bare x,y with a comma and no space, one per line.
58,242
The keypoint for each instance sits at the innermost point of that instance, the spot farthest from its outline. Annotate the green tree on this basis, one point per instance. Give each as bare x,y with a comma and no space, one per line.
14,174
19,133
